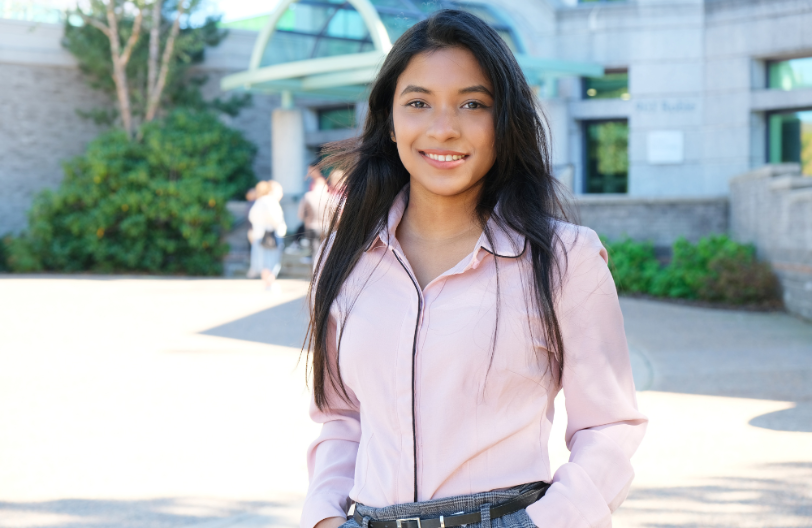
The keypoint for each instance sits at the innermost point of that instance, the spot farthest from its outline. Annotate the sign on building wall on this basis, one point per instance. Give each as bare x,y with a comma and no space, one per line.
665,147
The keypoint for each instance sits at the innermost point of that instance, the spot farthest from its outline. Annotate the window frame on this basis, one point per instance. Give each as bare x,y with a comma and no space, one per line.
610,71
769,63
348,106
585,152
768,151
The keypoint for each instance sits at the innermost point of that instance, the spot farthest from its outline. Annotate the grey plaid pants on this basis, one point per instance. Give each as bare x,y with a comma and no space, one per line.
451,505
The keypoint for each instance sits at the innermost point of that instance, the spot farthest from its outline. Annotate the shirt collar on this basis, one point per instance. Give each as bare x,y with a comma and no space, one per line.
507,243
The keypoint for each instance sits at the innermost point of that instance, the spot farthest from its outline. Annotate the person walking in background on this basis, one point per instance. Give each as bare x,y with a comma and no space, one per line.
314,211
267,228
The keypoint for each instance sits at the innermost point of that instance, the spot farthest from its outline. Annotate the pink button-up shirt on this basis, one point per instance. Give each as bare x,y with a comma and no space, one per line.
434,414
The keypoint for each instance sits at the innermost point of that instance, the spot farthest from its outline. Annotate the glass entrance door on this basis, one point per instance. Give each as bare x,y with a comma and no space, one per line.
607,156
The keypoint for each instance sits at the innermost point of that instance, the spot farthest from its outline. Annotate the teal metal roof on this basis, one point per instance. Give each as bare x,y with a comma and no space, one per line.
333,48
311,29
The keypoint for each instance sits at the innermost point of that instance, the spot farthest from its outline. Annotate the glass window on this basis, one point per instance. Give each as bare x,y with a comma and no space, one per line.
323,28
613,85
607,157
311,29
790,74
337,118
396,25
249,24
396,4
791,139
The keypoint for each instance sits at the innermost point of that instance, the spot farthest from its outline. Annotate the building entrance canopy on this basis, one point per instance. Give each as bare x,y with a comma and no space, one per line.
334,48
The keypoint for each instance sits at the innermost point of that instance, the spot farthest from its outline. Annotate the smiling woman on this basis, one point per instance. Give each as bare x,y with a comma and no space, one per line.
453,302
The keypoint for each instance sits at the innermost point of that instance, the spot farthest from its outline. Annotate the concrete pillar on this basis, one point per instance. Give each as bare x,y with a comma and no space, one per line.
289,159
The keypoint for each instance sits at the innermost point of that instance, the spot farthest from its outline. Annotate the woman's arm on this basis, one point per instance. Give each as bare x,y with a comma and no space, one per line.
331,457
278,219
604,427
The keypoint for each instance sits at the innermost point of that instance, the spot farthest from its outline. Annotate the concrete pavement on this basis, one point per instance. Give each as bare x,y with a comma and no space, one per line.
152,402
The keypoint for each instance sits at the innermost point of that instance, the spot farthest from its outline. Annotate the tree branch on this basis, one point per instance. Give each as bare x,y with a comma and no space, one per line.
155,96
128,49
120,63
112,23
154,47
95,23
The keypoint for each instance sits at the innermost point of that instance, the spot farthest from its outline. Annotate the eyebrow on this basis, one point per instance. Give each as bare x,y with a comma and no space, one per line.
471,89
476,89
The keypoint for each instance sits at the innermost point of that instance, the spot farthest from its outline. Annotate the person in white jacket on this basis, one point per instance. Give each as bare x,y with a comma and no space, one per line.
267,229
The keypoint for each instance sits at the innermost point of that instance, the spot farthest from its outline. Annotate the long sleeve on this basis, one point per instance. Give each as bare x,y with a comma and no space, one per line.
604,427
331,457
277,218
257,220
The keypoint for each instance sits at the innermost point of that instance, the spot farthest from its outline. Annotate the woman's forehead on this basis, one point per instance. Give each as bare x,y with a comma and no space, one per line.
443,69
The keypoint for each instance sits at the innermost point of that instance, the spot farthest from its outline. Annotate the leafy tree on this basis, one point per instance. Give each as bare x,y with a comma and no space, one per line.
155,205
147,77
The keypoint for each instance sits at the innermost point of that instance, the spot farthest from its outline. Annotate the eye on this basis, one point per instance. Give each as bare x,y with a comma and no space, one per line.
473,105
417,104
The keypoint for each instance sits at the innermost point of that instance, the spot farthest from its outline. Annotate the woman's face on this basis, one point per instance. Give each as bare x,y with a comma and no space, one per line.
444,125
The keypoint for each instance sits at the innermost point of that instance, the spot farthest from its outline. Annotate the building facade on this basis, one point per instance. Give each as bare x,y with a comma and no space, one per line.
645,98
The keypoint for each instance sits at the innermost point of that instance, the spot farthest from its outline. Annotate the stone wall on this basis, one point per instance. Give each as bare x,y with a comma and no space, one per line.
659,220
39,129
771,207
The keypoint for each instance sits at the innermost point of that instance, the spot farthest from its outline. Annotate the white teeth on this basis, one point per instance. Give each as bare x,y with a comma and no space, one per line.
447,157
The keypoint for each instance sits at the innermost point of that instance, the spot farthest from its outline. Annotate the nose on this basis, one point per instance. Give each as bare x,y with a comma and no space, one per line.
445,125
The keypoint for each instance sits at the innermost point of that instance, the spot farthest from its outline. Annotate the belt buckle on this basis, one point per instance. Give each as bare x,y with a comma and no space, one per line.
409,519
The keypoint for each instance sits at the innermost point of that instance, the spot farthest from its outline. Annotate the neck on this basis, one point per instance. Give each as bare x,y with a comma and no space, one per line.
433,217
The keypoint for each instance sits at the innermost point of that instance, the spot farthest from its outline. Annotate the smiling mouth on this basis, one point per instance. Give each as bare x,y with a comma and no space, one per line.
444,157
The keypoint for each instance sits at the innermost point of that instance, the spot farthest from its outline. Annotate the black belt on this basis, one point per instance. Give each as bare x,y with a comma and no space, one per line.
522,501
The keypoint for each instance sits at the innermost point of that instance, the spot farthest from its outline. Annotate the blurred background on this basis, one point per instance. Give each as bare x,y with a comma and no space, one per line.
145,381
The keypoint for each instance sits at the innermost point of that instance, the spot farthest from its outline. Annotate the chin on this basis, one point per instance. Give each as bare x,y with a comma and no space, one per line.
447,186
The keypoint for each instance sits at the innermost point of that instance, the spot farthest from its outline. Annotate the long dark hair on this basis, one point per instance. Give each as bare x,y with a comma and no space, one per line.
520,180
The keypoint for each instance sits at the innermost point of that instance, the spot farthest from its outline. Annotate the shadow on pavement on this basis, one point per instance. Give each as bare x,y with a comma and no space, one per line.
155,513
283,325
689,350
798,419
723,502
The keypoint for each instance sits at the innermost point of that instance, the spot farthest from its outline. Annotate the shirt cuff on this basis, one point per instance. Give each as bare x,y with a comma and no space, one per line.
572,501
316,509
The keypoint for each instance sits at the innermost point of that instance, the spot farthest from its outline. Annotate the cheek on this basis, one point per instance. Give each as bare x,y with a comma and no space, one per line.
407,129
406,126
483,136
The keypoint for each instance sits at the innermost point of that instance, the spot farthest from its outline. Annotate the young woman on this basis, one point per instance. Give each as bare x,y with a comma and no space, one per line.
452,304
267,229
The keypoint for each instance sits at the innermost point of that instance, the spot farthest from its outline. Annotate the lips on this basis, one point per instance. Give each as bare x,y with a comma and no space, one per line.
444,159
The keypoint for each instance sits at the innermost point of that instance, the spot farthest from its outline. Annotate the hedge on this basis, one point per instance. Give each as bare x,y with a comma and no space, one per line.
716,269
157,206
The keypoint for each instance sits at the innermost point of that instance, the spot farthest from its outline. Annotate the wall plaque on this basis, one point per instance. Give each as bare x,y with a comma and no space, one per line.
665,147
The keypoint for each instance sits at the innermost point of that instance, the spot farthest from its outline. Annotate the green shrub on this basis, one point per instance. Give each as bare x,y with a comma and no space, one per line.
715,269
741,282
157,205
634,265
4,243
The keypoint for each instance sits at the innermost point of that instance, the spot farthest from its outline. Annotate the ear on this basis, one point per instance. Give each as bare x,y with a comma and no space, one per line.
392,136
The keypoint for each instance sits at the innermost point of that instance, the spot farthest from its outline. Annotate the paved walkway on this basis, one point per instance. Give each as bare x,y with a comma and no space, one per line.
142,402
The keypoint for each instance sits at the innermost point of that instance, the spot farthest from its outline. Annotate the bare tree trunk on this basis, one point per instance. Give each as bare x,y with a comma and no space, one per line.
157,89
154,46
120,58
